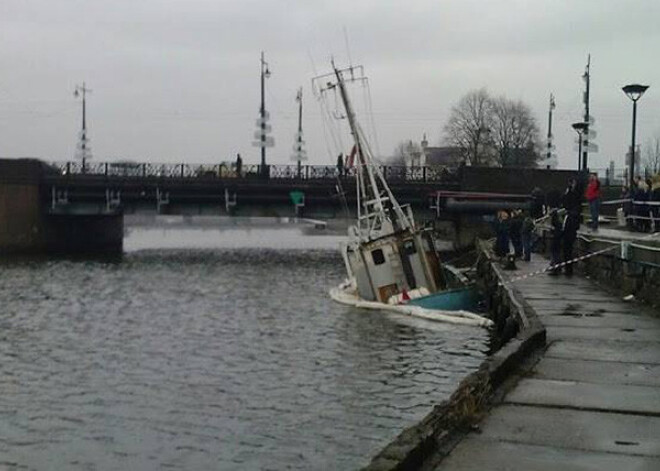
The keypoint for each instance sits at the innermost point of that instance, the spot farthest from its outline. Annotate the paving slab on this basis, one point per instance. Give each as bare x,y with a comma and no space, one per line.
606,350
611,307
600,372
574,429
628,321
590,305
541,279
592,402
478,454
577,395
571,297
616,308
628,334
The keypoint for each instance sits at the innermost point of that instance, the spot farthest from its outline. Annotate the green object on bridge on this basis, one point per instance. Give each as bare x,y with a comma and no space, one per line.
297,197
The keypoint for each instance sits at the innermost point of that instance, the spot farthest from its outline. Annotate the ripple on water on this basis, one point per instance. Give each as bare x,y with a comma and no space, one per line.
209,359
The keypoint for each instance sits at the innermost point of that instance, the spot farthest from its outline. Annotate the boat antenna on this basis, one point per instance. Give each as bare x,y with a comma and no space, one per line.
348,49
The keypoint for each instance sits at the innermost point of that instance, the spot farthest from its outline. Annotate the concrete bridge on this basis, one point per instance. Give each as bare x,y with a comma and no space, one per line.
252,190
65,207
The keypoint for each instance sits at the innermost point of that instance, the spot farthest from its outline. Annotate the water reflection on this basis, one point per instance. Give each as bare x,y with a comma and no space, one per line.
210,349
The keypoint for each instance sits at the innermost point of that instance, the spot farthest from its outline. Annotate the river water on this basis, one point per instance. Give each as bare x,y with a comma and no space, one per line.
210,349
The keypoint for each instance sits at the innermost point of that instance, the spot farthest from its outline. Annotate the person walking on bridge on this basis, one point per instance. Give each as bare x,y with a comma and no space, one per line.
239,165
593,196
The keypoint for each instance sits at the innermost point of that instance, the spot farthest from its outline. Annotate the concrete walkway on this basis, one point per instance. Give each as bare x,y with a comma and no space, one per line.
593,400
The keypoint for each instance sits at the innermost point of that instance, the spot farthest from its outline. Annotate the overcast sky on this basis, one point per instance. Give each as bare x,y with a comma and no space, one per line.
178,80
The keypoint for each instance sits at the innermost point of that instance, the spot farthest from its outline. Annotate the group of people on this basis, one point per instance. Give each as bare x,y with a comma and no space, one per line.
516,227
641,215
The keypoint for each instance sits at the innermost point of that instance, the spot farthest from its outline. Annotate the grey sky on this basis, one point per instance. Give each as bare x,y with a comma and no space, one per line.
178,80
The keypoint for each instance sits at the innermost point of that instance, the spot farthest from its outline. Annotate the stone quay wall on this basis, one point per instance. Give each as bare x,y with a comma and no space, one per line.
518,333
629,267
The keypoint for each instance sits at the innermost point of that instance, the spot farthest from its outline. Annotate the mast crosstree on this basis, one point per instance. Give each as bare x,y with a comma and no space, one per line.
379,213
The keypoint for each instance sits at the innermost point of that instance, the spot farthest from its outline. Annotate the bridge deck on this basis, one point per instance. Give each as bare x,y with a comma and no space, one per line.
593,400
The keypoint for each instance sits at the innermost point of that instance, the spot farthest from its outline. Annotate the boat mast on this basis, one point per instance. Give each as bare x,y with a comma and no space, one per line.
382,212
350,115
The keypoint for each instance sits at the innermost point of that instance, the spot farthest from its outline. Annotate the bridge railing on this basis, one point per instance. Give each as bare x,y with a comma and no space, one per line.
230,170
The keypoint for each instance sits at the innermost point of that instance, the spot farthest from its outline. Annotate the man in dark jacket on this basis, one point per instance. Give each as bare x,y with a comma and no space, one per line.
502,233
555,242
515,232
572,203
536,203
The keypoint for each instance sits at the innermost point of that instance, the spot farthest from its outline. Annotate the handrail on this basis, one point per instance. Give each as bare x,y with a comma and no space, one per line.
231,170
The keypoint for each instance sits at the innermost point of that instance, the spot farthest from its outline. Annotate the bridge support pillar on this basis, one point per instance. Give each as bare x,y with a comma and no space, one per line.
27,228
21,220
95,234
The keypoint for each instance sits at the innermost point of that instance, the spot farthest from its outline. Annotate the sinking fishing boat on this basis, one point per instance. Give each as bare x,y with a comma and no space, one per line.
392,263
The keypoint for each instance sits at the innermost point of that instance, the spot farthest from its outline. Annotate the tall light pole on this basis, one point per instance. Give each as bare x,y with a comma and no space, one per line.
83,150
634,92
549,156
580,127
585,132
263,128
299,153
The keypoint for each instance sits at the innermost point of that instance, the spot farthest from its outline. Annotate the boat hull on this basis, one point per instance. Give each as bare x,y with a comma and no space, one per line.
465,299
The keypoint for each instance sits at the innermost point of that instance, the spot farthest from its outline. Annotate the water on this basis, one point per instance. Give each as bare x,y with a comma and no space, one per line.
221,356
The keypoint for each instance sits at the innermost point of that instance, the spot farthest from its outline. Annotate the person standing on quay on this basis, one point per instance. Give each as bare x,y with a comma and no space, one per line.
655,197
527,233
593,196
536,209
555,242
502,233
572,203
515,232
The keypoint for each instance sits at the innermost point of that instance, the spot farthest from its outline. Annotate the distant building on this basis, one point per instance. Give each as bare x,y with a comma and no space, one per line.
423,155
413,155
450,156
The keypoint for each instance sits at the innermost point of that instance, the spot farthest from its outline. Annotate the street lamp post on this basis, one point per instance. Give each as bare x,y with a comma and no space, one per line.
83,143
580,128
634,92
265,73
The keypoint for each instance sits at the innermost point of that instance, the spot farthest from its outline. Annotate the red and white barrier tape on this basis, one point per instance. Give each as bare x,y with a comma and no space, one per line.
560,265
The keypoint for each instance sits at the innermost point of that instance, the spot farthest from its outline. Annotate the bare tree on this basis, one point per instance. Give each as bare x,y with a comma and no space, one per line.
514,133
493,130
468,127
652,155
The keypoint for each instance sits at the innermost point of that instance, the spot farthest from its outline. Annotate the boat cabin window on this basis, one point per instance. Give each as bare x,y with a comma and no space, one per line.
378,256
409,247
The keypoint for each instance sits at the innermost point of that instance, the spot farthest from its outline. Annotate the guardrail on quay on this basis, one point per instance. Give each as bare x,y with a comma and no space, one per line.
630,264
518,333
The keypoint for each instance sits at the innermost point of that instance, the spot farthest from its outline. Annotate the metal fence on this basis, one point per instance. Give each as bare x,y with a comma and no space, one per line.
230,170
611,176
619,176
